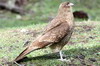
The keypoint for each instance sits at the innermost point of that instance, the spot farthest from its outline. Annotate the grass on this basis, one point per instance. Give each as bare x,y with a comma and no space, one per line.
46,9
84,45
83,48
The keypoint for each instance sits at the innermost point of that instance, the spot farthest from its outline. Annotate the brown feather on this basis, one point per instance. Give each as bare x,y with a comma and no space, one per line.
56,34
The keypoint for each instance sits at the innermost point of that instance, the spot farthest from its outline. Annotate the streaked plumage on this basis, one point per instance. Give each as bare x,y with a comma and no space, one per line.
57,33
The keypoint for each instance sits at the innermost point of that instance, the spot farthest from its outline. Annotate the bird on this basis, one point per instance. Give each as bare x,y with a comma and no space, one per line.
56,34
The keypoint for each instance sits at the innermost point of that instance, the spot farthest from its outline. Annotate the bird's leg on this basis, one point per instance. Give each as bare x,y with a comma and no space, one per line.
61,56
17,63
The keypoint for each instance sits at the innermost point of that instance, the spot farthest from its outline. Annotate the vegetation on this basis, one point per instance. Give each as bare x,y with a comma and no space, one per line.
82,49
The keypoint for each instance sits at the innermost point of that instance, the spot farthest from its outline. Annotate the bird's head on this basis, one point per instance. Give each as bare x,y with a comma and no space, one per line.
65,7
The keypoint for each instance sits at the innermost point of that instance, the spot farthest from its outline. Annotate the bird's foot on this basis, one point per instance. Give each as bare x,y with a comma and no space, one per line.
61,56
62,59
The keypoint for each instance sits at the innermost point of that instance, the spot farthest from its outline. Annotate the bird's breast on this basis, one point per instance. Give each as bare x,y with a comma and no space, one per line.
66,38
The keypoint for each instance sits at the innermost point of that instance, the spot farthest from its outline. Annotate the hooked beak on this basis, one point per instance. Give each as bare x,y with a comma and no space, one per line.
70,4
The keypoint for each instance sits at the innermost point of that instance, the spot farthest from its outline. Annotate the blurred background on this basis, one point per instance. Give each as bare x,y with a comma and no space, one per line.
25,12
21,21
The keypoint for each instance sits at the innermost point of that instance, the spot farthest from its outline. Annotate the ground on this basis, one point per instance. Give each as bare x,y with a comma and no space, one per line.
83,48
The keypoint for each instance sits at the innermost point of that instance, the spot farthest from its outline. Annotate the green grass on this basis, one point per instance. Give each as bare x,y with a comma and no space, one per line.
84,44
85,41
48,8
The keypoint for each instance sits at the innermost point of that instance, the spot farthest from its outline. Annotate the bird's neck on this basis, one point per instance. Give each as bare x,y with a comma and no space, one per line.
67,16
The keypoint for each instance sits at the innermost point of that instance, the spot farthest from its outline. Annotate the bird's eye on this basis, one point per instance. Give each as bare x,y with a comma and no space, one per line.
68,3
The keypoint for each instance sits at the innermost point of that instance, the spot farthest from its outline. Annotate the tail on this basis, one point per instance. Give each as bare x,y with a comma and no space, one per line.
23,54
36,45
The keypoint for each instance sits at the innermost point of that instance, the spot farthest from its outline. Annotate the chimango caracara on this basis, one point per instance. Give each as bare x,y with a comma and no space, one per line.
57,34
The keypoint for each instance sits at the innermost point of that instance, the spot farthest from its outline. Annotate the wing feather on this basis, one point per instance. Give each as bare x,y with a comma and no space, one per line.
54,23
55,34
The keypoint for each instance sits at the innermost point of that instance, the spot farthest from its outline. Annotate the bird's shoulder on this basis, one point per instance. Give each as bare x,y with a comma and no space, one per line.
55,32
53,24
